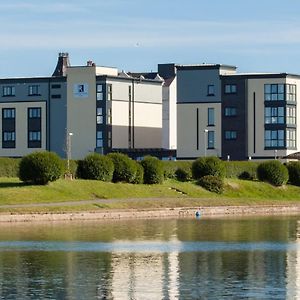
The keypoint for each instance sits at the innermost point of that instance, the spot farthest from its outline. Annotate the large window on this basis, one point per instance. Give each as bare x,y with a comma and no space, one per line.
274,115
9,136
34,112
274,92
210,116
99,92
230,111
34,136
99,115
291,138
274,138
230,135
230,89
9,91
291,115
291,92
99,139
34,90
8,113
210,139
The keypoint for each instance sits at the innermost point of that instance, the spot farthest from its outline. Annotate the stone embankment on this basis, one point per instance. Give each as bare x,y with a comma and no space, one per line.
203,212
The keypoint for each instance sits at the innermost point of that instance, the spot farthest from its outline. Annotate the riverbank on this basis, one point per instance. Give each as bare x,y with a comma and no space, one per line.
179,212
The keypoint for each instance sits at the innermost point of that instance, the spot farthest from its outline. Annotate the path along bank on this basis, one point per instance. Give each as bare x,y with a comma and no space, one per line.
184,212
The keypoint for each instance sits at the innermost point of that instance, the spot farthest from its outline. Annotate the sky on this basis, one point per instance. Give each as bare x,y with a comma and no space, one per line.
136,35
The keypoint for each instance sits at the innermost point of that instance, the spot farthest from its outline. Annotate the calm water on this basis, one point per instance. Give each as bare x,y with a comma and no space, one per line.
252,258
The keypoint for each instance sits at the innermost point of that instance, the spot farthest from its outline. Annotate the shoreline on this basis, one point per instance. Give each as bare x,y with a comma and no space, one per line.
181,212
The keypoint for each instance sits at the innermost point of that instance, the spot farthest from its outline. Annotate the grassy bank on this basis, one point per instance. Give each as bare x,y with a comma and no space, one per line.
124,196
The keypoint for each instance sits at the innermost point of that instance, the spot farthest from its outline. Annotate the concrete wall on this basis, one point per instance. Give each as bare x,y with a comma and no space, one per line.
188,135
170,116
81,114
192,85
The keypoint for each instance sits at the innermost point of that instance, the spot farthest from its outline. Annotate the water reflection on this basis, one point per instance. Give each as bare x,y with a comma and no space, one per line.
252,258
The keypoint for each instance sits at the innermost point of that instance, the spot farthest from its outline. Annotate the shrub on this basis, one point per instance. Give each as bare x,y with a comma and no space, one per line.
40,167
125,168
241,169
204,166
211,183
184,174
171,166
139,176
96,167
274,172
294,172
153,170
9,167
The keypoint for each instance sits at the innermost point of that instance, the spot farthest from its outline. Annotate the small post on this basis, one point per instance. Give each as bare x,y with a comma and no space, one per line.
205,139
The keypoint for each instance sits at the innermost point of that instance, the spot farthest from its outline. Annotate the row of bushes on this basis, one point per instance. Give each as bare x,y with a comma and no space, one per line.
42,167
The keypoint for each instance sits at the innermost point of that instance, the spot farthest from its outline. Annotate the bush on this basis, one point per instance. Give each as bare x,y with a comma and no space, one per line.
274,172
211,183
241,169
294,172
153,170
204,166
125,168
171,166
40,167
96,167
9,167
184,174
139,176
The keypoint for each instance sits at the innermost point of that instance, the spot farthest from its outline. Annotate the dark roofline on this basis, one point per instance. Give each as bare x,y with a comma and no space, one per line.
205,67
32,79
259,76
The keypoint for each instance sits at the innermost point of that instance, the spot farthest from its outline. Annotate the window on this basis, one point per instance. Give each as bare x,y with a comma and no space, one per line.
99,115
210,90
230,111
99,139
274,92
109,116
34,136
290,92
34,112
8,113
55,86
291,115
99,92
210,139
274,138
230,135
33,90
230,88
291,138
56,96
210,116
9,91
274,115
9,136
109,92
109,139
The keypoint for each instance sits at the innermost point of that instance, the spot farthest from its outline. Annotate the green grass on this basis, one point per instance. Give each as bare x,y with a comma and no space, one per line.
127,196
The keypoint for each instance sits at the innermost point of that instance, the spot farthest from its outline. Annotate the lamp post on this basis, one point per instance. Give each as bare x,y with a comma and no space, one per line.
275,154
69,150
205,139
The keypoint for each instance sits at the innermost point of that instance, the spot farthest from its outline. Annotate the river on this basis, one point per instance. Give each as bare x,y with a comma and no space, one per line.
224,258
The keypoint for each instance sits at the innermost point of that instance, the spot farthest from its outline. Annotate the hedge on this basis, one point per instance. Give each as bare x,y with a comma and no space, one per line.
241,169
204,166
274,172
211,183
153,170
9,167
40,167
294,172
96,167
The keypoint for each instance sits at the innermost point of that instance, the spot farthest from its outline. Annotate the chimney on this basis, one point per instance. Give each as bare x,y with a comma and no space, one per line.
62,64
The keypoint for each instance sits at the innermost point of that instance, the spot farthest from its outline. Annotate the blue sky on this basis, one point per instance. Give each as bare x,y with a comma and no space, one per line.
136,35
